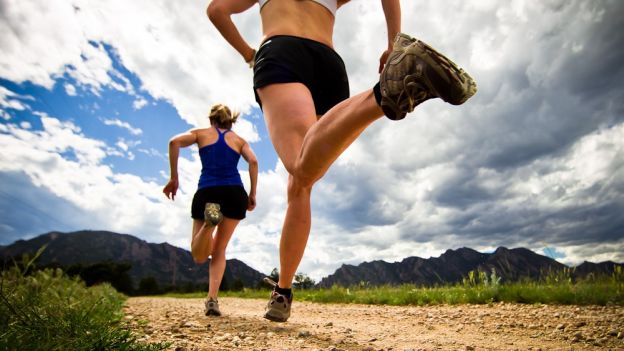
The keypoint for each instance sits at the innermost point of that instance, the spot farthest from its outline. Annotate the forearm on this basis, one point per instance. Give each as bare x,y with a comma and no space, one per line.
174,152
222,20
392,12
253,177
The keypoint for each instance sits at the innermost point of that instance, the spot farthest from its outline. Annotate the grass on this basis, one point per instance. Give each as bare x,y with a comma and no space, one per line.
47,310
477,288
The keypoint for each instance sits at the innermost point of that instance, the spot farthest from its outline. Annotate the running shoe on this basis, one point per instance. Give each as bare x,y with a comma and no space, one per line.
278,308
416,72
212,307
212,213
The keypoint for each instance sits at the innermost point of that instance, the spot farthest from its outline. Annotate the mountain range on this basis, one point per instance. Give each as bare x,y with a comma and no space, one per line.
455,265
172,266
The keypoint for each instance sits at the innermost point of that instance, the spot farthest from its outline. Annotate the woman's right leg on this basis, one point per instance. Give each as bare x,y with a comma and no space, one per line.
225,229
307,148
289,113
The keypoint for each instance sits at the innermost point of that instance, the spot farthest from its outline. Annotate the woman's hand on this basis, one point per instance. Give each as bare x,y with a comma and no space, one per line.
171,189
251,203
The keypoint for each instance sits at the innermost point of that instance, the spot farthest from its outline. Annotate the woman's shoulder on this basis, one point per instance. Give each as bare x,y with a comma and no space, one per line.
201,131
234,135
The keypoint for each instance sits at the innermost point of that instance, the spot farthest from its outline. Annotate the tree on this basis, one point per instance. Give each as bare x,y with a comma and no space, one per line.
237,285
274,275
148,286
114,273
303,281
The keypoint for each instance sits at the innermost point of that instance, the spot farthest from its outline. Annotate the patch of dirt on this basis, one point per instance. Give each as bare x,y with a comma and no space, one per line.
333,327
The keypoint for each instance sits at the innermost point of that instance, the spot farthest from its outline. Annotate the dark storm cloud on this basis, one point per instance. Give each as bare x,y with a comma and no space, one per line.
521,164
29,210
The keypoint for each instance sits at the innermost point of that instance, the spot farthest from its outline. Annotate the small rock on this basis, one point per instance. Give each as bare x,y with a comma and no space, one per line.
612,332
180,348
330,324
303,334
469,348
373,339
620,335
580,324
560,326
331,348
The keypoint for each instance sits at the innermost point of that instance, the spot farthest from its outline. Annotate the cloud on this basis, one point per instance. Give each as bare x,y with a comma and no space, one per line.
125,125
61,161
139,103
534,159
11,101
70,89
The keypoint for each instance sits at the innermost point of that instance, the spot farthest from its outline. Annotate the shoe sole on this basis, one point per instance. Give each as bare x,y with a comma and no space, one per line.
213,313
461,82
208,218
458,86
275,318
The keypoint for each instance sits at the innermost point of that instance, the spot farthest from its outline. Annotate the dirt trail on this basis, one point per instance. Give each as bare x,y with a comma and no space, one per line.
362,327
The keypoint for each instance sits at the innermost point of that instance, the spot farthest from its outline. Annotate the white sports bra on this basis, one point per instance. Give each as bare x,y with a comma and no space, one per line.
331,5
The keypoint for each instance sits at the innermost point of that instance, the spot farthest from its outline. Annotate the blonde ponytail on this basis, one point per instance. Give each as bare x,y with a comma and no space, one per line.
222,117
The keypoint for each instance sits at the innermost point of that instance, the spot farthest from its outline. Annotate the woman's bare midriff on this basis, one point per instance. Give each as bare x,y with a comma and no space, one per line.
304,19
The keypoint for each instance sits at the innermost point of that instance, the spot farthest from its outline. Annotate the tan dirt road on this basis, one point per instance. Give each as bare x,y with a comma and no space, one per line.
336,327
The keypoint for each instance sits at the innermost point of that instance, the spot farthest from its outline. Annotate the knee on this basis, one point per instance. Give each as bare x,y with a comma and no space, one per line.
299,185
199,260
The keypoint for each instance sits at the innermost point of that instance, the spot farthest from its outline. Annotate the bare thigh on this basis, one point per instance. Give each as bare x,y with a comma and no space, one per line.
289,112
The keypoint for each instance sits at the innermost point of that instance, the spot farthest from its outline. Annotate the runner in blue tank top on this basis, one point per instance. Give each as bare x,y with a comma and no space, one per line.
220,201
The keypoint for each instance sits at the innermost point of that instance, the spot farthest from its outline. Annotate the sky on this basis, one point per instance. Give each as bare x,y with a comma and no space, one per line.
91,92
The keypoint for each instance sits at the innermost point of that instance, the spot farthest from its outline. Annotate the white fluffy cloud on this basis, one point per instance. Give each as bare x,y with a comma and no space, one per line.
534,159
62,160
125,125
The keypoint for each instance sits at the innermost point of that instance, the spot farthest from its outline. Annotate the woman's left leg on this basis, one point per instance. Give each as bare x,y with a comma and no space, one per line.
201,241
225,229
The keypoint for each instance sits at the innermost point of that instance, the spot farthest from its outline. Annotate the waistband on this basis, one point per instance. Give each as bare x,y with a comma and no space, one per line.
286,36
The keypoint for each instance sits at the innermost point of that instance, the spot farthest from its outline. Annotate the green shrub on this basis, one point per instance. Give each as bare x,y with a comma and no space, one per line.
47,310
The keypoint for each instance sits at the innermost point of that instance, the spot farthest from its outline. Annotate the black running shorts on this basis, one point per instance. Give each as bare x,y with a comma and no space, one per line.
288,59
232,199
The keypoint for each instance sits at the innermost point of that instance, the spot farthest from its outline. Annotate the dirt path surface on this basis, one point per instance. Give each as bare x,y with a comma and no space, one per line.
333,327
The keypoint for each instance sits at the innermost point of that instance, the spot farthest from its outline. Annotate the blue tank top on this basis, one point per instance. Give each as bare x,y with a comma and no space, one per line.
219,164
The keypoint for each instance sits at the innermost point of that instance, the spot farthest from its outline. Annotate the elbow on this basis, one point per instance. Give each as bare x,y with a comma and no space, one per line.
253,163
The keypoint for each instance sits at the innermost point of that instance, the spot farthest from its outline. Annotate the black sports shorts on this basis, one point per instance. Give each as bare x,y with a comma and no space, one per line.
288,59
232,199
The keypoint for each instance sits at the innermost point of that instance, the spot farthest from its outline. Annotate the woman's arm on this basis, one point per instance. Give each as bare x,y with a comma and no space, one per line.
220,14
392,12
250,157
177,142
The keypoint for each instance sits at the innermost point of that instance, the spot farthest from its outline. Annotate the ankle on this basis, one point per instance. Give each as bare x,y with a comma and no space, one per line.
284,291
377,92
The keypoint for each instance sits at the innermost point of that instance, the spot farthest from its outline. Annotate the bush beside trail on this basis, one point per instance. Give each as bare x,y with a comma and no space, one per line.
47,310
